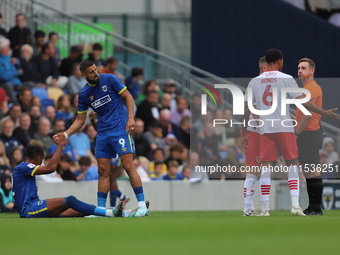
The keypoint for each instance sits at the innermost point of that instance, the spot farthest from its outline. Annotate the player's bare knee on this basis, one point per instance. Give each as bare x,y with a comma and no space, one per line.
128,166
102,172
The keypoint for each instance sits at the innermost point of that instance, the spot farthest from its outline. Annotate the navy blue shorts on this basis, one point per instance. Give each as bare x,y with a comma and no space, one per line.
37,209
109,145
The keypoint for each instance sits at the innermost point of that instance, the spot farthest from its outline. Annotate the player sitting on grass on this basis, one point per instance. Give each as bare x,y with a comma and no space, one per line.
26,197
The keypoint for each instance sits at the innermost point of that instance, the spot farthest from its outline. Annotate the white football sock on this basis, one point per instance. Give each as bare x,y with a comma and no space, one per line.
141,204
294,185
109,213
265,187
248,191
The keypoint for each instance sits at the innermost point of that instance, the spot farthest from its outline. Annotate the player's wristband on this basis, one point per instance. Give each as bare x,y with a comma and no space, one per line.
66,136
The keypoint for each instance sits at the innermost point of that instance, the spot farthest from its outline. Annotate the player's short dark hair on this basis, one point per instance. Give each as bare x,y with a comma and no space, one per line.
177,147
262,61
172,163
97,46
273,55
147,84
84,65
39,33
44,47
135,71
84,161
51,34
157,149
158,163
309,61
67,158
33,151
111,60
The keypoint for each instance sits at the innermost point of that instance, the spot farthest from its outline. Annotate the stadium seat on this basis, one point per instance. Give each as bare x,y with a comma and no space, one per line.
40,92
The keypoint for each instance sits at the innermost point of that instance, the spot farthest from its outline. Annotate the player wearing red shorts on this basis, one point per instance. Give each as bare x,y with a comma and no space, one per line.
251,142
274,134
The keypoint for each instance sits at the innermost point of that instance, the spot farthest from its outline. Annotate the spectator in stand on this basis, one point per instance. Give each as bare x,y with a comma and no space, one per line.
64,110
21,132
29,65
7,137
39,37
3,103
148,110
10,70
96,55
165,101
157,173
132,82
5,165
42,134
16,157
186,172
53,38
25,97
48,68
6,195
58,126
199,124
209,145
196,168
142,168
228,115
16,34
158,156
195,107
328,145
64,168
75,82
171,133
153,137
220,130
175,154
2,31
92,134
35,114
75,56
184,158
14,116
112,66
89,173
82,145
172,174
141,143
50,113
180,110
35,100
185,131
148,85
170,88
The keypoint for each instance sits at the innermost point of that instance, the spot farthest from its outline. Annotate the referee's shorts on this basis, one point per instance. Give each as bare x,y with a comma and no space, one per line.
309,143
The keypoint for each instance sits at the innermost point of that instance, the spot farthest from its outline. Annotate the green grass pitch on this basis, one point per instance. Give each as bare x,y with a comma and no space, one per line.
214,232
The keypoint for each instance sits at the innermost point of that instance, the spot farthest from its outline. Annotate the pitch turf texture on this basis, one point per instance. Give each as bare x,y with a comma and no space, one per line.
221,232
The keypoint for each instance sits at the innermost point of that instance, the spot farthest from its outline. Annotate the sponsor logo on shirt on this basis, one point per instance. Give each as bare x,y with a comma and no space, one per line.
101,101
30,165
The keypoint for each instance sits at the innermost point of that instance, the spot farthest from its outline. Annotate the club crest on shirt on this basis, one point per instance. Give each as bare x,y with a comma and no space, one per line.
91,98
104,88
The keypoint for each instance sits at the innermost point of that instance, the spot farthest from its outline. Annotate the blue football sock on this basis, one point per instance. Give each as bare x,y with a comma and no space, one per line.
113,197
99,211
101,199
79,206
139,193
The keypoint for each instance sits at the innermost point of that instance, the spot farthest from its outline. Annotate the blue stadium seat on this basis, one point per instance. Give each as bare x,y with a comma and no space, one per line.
45,102
40,92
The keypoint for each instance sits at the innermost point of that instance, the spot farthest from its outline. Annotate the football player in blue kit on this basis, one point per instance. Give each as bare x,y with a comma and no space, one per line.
25,189
104,93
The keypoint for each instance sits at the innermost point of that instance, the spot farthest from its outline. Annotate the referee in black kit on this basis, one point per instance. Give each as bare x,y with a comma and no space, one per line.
309,138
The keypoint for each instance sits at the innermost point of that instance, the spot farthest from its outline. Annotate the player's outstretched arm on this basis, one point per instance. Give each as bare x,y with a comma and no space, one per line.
330,114
130,125
77,124
52,165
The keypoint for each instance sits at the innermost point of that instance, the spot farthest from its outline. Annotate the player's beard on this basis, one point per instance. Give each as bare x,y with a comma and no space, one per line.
93,81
